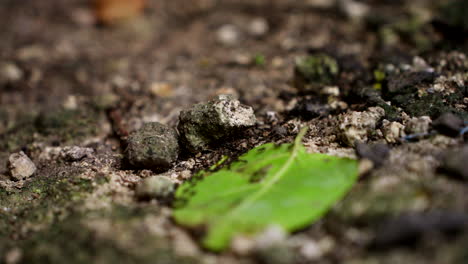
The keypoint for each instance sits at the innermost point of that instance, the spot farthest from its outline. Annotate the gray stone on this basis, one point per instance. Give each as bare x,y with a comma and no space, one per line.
155,187
21,167
154,146
76,153
206,123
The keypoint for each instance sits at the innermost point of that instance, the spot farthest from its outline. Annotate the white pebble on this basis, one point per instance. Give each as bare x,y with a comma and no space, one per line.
21,166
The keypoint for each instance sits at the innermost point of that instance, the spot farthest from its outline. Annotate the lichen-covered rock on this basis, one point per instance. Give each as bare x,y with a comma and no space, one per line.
154,146
20,166
206,123
358,126
155,187
314,71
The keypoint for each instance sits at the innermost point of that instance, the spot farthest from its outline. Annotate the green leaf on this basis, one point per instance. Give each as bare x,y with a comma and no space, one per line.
270,185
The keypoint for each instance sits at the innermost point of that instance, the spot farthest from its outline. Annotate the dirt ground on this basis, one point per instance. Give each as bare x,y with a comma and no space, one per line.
66,80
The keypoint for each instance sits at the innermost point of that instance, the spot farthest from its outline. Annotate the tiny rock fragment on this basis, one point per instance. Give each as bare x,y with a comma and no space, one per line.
20,166
10,73
377,153
75,153
154,146
161,89
418,125
358,126
354,10
228,35
313,72
114,11
448,124
392,131
454,163
207,123
258,27
155,187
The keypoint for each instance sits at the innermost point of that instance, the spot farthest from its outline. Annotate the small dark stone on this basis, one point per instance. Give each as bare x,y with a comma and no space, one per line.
454,163
448,124
154,146
310,108
408,228
280,131
377,153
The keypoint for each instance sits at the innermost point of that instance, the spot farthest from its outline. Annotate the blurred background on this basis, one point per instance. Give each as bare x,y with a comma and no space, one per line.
153,57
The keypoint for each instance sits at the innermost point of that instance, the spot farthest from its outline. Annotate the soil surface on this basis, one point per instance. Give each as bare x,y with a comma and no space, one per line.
373,80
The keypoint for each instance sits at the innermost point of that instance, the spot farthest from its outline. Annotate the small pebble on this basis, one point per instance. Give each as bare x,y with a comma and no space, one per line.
9,73
155,187
280,131
228,35
21,166
258,27
76,153
354,10
154,146
161,89
377,153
